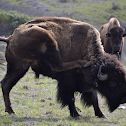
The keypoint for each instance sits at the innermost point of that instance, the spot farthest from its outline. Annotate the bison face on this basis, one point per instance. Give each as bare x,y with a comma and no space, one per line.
113,92
112,86
116,34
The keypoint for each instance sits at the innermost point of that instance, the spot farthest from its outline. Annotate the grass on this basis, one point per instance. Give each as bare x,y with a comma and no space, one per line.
35,104
17,2
99,11
93,12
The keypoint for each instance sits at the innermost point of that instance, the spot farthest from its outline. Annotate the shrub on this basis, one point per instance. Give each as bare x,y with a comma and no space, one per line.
116,6
11,20
16,18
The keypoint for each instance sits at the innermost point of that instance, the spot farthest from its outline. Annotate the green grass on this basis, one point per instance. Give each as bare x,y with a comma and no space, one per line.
17,2
93,12
99,11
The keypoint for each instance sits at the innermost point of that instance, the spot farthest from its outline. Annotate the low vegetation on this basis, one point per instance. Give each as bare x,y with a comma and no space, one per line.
95,12
11,20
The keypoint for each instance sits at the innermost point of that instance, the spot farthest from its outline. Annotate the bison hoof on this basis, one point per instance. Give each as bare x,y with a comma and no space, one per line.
75,115
10,111
103,116
78,117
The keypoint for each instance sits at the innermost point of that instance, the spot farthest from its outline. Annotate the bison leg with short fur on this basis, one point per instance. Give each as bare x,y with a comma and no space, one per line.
7,84
15,71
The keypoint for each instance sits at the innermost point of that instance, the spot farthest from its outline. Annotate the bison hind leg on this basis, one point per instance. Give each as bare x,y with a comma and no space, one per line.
37,75
12,76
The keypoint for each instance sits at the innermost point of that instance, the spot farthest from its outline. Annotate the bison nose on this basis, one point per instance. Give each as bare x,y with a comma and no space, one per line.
123,100
116,48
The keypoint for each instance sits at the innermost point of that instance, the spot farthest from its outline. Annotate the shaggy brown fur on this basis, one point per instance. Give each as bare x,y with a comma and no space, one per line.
112,37
44,42
34,42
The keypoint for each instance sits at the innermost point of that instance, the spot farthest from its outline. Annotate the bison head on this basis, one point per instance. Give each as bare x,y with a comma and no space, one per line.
116,35
109,80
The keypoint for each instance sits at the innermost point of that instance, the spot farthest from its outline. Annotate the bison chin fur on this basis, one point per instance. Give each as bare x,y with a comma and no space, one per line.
112,105
87,98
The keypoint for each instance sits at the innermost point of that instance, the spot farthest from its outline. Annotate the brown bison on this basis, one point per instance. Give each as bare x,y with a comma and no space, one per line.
46,42
112,37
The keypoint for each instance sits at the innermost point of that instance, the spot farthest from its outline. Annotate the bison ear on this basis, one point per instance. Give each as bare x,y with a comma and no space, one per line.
108,35
124,33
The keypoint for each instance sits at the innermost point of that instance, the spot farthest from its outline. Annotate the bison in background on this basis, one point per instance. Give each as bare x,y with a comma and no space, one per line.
44,42
112,37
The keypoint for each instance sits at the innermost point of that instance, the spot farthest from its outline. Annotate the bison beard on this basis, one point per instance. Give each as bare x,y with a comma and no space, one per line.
38,42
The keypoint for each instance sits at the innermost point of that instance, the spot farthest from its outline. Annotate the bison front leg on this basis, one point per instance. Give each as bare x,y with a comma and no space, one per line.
66,99
98,112
11,78
72,109
90,98
65,93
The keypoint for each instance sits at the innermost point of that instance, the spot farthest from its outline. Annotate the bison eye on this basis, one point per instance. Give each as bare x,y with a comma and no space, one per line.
112,84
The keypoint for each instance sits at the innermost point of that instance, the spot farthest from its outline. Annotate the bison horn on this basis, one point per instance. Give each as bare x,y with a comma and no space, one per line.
108,32
109,29
100,75
87,64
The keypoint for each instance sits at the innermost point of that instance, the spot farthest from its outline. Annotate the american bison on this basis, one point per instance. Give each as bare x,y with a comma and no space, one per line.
43,42
112,37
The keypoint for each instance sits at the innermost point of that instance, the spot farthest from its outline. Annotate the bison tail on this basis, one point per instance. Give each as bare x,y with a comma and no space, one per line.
5,39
